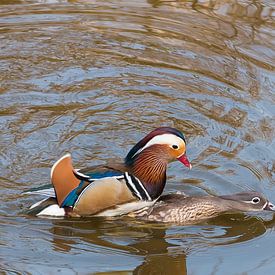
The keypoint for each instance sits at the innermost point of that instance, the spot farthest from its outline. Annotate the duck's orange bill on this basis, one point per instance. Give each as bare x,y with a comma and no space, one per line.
183,159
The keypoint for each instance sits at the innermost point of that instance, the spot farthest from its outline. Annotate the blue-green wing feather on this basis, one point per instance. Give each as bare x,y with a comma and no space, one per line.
95,175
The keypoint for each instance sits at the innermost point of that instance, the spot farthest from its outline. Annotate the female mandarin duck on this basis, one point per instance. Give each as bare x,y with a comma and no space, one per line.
178,208
115,189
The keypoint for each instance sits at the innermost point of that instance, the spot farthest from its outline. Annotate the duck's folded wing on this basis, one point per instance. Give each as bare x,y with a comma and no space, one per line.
69,183
104,197
88,193
103,194
95,192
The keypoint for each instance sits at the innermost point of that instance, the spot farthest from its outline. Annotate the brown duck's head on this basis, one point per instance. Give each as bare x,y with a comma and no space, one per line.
164,144
249,201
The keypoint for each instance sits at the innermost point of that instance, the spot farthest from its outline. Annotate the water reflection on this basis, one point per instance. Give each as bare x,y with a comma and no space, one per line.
92,77
163,248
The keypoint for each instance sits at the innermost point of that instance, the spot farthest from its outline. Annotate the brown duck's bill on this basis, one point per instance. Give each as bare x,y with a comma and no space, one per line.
183,159
269,206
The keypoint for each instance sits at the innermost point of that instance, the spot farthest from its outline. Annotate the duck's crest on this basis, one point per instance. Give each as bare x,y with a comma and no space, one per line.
142,143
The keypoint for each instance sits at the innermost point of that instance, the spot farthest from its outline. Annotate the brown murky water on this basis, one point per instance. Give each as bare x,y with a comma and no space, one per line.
91,78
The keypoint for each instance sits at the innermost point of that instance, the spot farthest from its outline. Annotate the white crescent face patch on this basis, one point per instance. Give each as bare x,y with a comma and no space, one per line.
168,139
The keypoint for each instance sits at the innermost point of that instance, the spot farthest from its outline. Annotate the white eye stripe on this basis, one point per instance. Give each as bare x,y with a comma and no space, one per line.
168,139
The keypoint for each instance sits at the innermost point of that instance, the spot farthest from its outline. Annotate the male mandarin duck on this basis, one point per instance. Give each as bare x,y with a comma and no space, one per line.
185,210
118,188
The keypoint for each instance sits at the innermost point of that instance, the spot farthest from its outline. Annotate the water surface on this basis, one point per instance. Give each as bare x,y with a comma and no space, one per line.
92,78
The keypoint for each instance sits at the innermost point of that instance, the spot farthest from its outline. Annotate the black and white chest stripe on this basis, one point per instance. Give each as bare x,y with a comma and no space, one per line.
136,187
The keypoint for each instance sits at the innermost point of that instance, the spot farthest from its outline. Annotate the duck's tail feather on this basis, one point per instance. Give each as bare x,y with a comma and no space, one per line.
47,207
49,192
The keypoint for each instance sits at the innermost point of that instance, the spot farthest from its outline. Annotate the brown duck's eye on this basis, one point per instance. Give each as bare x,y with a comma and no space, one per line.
175,146
255,200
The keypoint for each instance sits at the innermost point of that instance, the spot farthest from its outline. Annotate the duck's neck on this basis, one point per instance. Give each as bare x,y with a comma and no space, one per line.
150,169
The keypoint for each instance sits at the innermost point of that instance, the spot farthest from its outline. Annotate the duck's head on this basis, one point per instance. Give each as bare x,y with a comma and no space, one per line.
248,201
164,143
148,159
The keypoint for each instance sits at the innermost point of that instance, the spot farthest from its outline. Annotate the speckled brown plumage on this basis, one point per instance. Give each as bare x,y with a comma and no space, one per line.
178,208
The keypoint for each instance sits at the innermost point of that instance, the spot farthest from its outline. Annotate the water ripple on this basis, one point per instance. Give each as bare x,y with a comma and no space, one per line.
92,78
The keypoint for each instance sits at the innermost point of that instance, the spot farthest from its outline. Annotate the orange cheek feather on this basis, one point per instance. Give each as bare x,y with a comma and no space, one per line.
175,154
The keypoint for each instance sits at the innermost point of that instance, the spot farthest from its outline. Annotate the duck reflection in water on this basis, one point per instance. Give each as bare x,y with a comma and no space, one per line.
157,247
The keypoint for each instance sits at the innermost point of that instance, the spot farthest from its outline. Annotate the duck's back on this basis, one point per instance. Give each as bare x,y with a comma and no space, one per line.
176,208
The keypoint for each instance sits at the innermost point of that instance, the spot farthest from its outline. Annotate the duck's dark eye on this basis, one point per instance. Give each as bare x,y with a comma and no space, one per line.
255,200
175,146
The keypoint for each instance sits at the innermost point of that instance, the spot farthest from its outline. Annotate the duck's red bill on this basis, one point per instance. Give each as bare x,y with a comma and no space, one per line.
183,159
